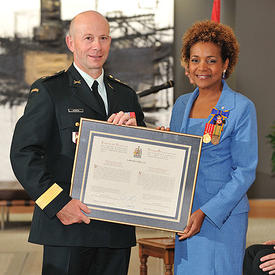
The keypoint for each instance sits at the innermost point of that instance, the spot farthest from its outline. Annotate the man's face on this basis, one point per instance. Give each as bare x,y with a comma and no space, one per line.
90,43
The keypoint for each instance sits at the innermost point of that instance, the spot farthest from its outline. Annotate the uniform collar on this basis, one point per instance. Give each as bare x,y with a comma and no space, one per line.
90,80
82,91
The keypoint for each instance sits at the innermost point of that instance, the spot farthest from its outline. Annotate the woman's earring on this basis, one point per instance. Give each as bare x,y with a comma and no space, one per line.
223,74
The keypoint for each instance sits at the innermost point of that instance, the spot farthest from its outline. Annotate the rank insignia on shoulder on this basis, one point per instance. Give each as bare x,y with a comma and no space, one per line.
52,76
110,85
117,80
34,90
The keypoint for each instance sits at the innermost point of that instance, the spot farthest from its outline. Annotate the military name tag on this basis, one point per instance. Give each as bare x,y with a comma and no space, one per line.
75,110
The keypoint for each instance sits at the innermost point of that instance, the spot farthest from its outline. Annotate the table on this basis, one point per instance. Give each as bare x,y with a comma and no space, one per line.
12,194
157,247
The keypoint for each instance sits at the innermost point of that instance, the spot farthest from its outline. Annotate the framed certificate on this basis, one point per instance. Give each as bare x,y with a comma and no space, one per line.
135,175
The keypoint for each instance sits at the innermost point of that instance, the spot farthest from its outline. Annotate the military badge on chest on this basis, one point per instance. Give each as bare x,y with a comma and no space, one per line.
214,127
76,113
75,134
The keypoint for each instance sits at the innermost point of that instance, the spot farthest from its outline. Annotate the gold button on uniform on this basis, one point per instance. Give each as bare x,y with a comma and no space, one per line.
77,124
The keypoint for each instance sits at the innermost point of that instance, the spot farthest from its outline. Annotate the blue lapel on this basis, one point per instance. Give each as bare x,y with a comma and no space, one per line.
188,107
227,98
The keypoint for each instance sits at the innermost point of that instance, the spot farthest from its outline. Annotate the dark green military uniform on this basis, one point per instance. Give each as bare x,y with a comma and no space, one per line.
42,154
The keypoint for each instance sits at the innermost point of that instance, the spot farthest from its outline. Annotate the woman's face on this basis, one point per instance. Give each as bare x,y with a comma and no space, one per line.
206,65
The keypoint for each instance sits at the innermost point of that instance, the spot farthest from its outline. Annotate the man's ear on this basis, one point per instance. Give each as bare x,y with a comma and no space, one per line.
70,43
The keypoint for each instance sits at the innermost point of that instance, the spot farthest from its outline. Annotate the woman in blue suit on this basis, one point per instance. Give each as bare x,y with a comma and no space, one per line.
213,242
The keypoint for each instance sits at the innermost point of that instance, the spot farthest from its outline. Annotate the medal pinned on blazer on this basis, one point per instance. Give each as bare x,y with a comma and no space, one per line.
214,127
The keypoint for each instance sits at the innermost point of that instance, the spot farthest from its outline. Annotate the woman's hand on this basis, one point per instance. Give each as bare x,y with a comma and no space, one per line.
162,128
194,225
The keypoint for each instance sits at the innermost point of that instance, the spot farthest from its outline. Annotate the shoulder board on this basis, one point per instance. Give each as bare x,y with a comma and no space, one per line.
44,78
110,77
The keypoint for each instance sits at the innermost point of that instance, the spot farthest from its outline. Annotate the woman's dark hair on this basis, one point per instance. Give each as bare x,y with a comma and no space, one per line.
217,33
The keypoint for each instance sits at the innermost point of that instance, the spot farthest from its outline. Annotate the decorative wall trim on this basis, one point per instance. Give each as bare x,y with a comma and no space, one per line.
262,208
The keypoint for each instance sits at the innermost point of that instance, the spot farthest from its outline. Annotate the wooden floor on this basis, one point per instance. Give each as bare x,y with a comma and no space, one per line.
18,257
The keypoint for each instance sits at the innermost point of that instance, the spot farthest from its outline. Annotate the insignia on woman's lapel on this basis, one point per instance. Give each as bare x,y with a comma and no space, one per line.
206,138
213,129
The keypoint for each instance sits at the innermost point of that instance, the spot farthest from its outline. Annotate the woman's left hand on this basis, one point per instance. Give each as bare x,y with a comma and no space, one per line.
194,225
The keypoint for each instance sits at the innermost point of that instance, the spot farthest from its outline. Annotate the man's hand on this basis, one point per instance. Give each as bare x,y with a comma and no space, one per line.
272,242
71,213
269,263
194,225
122,118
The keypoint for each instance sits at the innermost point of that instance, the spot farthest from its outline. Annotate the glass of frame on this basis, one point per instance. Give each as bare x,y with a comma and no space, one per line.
136,175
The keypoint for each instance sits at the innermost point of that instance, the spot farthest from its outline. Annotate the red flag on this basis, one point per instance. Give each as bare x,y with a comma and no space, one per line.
216,11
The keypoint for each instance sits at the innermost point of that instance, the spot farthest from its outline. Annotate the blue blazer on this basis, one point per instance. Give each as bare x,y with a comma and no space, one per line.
226,170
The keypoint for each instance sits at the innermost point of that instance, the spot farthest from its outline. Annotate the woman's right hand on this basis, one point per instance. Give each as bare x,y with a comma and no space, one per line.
194,225
163,128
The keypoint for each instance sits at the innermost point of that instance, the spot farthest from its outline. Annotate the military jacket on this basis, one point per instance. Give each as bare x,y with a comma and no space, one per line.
42,155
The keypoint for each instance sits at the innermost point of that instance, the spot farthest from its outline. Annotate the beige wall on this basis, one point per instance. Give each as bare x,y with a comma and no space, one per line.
253,22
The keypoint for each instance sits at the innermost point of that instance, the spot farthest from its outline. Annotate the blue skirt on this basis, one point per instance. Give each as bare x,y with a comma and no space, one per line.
213,251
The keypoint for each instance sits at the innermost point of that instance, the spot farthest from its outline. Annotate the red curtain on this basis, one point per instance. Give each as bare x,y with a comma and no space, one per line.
216,11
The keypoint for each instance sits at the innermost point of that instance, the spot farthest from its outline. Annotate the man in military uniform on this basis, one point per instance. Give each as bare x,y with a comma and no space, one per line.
43,148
